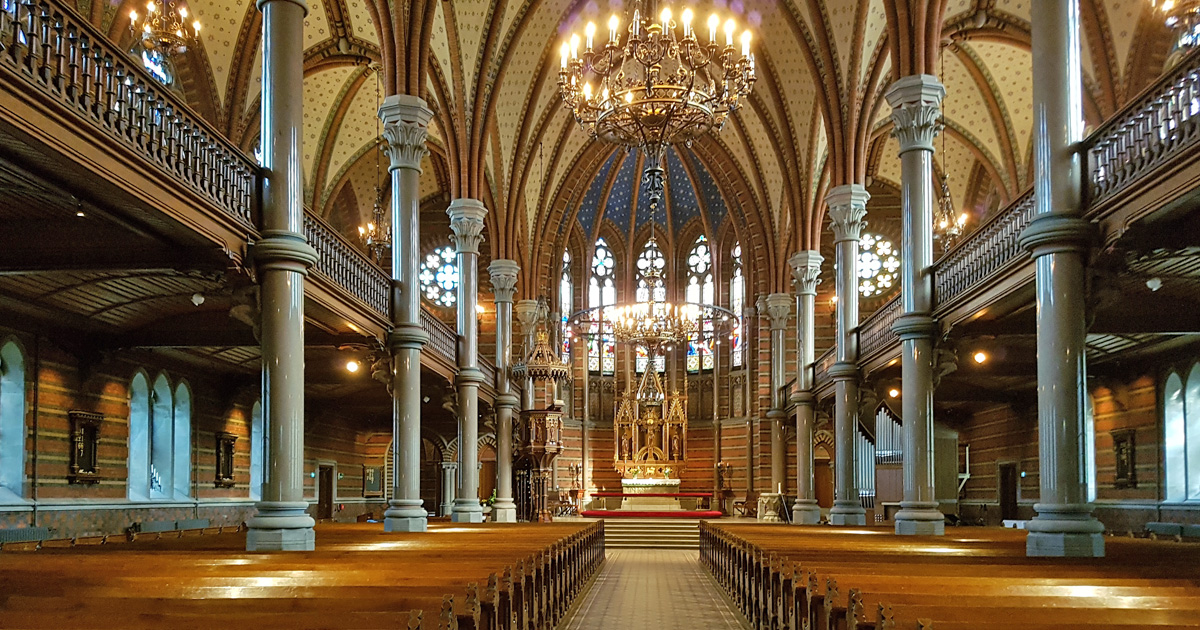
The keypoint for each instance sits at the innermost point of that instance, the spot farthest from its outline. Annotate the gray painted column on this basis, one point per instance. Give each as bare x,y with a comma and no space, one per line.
716,417
806,271
504,282
282,258
527,315
916,113
1058,238
750,353
466,223
449,482
847,210
405,127
778,309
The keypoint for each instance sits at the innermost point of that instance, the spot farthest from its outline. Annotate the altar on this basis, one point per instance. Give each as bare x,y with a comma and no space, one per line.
650,494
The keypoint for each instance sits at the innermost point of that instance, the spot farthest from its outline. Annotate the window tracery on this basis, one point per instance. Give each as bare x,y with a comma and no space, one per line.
602,291
439,277
737,300
878,265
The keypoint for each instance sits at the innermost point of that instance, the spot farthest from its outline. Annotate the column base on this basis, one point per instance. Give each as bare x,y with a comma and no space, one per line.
1064,531
847,513
281,526
445,509
405,515
920,518
466,511
504,511
806,512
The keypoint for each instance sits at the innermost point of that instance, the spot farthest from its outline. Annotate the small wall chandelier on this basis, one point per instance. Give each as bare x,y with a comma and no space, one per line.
1183,16
658,87
164,28
542,364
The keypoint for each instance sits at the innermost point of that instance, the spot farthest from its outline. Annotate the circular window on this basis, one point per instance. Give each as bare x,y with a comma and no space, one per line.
439,277
878,266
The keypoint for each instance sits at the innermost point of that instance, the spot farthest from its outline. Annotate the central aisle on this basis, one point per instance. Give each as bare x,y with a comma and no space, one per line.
653,589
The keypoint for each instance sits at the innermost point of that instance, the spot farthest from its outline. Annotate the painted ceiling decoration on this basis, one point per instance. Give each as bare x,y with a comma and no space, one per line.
815,119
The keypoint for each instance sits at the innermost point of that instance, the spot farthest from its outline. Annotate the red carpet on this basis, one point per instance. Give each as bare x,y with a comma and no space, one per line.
639,514
697,495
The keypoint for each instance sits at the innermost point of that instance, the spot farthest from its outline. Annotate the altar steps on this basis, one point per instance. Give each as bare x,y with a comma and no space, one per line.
656,533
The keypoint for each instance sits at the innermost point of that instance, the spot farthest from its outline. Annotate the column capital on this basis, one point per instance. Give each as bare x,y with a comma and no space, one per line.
806,271
504,279
466,221
778,308
449,465
527,315
916,102
405,127
847,211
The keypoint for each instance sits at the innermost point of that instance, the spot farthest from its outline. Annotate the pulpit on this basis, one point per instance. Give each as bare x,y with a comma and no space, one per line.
540,441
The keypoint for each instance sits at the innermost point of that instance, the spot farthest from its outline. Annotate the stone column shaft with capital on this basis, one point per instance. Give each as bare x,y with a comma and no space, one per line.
283,257
806,270
449,483
466,223
778,309
916,114
847,210
1059,239
504,282
405,127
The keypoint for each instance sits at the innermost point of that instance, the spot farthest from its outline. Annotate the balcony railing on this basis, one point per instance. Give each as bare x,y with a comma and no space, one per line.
66,58
1158,124
875,333
991,247
347,266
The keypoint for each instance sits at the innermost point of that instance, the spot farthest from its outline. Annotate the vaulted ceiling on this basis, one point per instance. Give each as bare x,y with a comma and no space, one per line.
816,118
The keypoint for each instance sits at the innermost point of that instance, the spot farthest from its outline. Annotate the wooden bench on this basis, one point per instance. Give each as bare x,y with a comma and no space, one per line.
501,576
829,579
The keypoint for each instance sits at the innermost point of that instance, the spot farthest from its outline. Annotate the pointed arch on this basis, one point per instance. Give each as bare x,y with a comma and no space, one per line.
13,412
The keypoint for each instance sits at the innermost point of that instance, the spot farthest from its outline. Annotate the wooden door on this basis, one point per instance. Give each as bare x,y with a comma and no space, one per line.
325,492
823,482
1008,491
487,480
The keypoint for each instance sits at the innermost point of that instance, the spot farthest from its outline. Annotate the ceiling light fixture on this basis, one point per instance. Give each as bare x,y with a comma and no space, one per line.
352,366
658,87
980,357
163,27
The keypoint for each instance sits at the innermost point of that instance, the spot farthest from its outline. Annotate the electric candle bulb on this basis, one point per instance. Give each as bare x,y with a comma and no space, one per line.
133,16
666,18
613,22
629,97
566,53
150,7
713,21
604,94
590,30
196,26
587,91
183,12
729,28
637,22
746,43
687,22
574,46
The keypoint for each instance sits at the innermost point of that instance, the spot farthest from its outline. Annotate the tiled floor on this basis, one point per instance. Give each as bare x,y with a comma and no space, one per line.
653,589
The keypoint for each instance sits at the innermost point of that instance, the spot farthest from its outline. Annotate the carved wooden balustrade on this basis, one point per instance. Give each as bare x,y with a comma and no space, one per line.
1162,122
875,333
347,266
66,58
983,253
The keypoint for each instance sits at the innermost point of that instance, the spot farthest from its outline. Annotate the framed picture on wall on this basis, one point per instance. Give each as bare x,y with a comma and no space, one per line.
1125,452
372,481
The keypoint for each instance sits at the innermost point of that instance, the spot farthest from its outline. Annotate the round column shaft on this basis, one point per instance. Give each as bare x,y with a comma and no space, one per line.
847,210
916,114
283,257
466,221
449,483
1058,238
504,282
405,127
778,309
806,271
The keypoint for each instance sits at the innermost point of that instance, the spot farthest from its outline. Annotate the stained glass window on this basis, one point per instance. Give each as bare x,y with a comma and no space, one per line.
650,258
439,277
602,291
565,302
737,299
156,64
878,265
700,290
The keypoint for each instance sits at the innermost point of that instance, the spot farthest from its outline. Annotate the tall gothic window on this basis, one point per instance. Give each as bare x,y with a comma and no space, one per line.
650,258
566,302
737,299
700,290
1181,423
12,422
439,277
878,265
602,291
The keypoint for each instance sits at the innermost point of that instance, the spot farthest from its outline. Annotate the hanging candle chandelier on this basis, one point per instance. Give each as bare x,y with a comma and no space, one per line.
163,27
1183,16
377,233
948,223
655,324
658,84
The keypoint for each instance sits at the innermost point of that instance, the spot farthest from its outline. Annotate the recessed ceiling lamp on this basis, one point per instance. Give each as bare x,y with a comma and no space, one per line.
980,357
352,366
658,87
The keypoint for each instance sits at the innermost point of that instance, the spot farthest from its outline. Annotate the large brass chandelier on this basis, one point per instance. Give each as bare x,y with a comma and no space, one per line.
654,324
163,27
660,86
1184,17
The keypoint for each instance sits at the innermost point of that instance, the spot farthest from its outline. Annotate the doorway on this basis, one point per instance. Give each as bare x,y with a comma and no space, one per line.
823,477
325,492
1008,491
